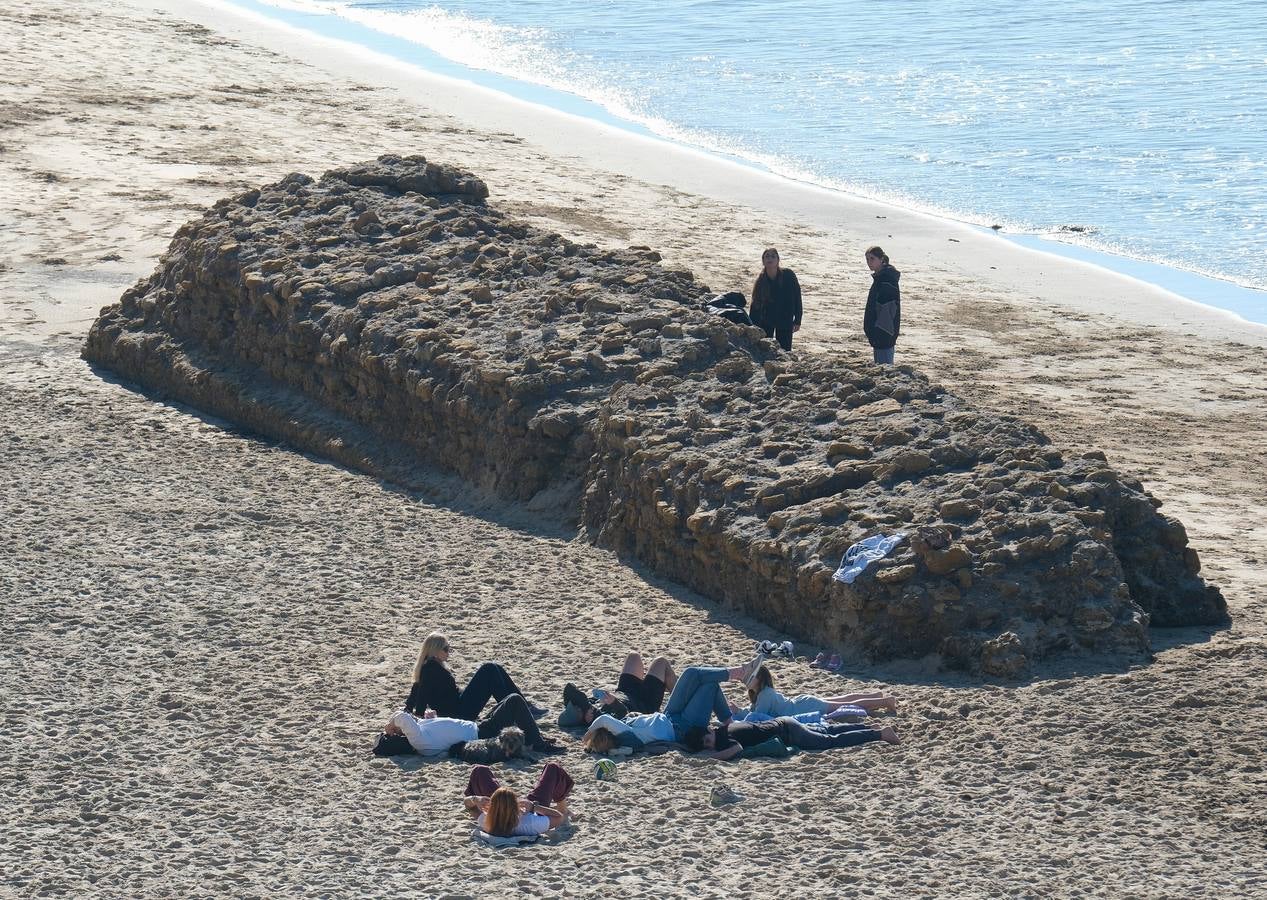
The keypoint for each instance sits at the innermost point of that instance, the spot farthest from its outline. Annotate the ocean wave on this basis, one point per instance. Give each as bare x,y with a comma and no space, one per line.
1094,129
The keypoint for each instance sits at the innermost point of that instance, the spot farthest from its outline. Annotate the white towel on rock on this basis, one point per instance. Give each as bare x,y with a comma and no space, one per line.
865,552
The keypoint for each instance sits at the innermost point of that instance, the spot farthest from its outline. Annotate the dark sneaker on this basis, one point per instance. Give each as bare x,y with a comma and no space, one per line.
721,795
548,748
537,711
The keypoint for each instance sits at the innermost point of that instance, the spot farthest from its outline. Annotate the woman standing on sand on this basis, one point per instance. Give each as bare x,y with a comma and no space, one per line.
776,300
435,687
883,318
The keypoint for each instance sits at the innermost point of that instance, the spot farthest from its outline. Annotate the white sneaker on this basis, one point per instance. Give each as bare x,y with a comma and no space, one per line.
753,667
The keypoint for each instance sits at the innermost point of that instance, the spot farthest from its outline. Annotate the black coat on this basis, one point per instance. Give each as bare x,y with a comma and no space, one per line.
884,291
776,302
437,689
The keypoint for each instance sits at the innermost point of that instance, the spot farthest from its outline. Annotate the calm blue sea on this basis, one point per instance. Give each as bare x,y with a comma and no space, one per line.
1136,129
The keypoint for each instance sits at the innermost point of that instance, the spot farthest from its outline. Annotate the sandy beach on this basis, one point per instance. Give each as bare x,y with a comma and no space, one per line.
204,631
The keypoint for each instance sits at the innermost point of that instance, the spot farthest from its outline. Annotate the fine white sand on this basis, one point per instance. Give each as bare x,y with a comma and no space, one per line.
203,631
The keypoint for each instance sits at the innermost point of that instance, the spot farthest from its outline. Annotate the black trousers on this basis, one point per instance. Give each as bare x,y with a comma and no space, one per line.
781,333
490,682
512,710
827,738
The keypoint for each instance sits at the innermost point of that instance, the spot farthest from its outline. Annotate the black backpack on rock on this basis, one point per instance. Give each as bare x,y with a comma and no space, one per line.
730,306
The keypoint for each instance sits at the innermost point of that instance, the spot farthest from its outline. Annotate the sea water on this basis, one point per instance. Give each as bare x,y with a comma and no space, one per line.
1133,129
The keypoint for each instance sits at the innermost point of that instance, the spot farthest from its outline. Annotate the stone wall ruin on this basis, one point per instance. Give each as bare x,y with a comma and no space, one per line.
391,298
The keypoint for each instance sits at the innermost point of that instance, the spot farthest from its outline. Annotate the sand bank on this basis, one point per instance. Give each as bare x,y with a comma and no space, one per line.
203,629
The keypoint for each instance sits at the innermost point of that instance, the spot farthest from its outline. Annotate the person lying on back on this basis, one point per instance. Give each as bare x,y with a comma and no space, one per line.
501,813
728,741
436,734
606,733
768,701
639,689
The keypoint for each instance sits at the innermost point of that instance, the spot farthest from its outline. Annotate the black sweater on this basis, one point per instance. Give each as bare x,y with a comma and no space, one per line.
777,301
437,689
884,290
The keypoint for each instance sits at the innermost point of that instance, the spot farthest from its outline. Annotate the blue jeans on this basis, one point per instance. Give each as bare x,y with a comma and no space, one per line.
883,354
696,697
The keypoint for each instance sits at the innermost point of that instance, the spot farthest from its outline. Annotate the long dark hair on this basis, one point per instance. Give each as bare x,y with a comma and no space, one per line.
761,287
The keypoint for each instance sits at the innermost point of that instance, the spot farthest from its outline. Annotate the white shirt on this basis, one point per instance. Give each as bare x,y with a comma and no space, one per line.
529,824
648,728
431,737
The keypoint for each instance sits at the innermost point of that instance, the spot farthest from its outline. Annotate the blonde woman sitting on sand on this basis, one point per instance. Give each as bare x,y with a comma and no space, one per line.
767,701
435,687
499,811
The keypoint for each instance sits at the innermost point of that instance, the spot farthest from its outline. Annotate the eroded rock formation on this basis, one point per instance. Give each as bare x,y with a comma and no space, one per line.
390,299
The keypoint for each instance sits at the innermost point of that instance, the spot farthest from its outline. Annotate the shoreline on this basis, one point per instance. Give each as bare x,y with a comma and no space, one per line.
1220,296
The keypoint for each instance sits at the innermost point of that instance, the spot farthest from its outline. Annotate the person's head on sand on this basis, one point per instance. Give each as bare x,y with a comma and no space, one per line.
699,738
600,741
436,646
877,259
503,813
770,262
761,679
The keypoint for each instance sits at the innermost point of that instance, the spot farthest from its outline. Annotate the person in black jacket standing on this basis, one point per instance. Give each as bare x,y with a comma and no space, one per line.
883,319
776,300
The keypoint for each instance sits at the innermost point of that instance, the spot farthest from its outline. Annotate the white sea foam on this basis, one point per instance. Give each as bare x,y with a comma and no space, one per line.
1147,122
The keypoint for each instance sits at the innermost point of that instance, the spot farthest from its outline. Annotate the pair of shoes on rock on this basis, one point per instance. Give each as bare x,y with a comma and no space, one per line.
776,649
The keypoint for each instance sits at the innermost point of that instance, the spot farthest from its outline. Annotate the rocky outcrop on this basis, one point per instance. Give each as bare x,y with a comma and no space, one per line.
388,310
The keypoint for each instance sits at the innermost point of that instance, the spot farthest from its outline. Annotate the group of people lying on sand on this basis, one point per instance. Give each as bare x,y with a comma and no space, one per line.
438,718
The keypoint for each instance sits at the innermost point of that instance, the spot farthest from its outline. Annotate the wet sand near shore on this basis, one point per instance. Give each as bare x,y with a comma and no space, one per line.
203,630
